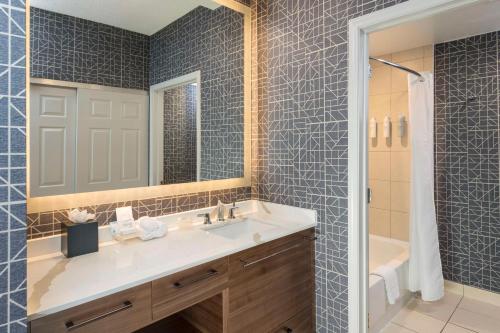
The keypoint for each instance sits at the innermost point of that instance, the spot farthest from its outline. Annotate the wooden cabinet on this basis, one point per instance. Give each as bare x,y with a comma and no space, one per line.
184,289
300,323
270,284
125,311
268,288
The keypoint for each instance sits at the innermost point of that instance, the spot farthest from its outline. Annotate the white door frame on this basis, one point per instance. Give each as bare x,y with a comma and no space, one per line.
359,29
156,127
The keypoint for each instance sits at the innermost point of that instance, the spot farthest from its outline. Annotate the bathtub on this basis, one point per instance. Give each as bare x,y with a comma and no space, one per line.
383,251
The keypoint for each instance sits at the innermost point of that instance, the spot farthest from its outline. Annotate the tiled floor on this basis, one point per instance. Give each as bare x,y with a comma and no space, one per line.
452,314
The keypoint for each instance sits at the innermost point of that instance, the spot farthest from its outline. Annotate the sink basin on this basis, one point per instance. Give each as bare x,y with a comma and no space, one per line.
239,229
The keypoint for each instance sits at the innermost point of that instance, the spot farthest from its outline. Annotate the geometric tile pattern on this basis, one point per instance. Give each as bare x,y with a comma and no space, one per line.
209,41
467,159
179,155
72,49
300,127
12,167
49,223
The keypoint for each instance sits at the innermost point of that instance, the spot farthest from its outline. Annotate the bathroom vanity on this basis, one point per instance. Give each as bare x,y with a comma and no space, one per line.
255,274
150,111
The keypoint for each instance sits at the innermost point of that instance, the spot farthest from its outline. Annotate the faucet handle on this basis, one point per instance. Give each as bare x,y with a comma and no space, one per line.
231,212
207,218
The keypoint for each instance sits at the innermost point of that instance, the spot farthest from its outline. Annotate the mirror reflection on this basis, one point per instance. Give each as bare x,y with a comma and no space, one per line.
181,126
127,96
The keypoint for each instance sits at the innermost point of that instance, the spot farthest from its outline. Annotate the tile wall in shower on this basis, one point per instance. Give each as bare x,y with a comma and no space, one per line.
389,158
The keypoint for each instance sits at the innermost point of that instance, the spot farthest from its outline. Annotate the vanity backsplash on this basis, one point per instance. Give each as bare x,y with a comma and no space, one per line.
49,223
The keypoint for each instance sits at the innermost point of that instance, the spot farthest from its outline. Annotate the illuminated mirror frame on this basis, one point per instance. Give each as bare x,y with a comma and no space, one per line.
56,202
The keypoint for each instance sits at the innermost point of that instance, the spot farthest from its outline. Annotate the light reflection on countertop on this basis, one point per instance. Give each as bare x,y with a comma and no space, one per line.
56,283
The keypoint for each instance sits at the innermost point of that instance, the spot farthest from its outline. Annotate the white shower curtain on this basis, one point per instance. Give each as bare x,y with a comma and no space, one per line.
425,273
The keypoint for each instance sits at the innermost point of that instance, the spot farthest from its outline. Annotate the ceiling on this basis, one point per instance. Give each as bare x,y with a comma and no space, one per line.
451,25
143,16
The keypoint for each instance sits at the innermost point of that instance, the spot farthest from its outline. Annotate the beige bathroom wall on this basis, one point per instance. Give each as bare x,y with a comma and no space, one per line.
389,159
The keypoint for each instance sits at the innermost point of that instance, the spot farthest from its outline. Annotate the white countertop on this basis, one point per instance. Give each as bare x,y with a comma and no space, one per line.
57,283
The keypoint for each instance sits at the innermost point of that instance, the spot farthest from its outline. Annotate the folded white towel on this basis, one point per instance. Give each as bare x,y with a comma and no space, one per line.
390,276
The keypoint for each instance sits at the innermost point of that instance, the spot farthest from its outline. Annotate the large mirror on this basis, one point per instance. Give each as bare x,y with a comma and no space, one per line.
142,93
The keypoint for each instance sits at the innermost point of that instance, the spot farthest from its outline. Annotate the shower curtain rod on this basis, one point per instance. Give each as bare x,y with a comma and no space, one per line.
399,67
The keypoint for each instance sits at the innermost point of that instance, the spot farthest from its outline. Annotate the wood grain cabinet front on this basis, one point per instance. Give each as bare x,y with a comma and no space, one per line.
302,322
270,283
181,290
267,288
122,312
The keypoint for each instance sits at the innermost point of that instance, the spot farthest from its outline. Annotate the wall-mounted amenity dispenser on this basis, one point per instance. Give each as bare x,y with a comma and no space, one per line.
373,128
387,127
402,126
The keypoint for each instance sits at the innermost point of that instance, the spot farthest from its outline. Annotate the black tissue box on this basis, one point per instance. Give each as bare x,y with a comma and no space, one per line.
79,238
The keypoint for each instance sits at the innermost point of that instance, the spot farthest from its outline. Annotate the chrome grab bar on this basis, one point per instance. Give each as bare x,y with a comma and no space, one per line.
190,280
246,264
71,325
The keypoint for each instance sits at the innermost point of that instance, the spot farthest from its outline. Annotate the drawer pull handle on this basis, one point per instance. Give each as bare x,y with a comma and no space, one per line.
190,280
71,325
287,329
250,263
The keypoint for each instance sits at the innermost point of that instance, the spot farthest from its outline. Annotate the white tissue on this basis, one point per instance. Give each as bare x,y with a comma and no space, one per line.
124,213
77,216
125,223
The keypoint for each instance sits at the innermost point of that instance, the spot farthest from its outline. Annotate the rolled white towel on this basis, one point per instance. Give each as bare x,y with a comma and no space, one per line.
149,224
150,228
390,276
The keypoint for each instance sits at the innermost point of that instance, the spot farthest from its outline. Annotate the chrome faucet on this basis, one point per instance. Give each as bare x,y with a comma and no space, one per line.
206,217
221,210
231,215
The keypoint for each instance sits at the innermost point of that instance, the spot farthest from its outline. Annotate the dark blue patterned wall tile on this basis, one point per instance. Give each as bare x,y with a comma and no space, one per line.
72,49
210,41
17,241
467,159
302,128
17,309
4,49
12,168
17,275
17,140
180,137
4,21
4,80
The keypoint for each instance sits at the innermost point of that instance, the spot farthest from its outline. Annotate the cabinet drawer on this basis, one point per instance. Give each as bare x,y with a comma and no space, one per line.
270,283
176,292
122,312
300,323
